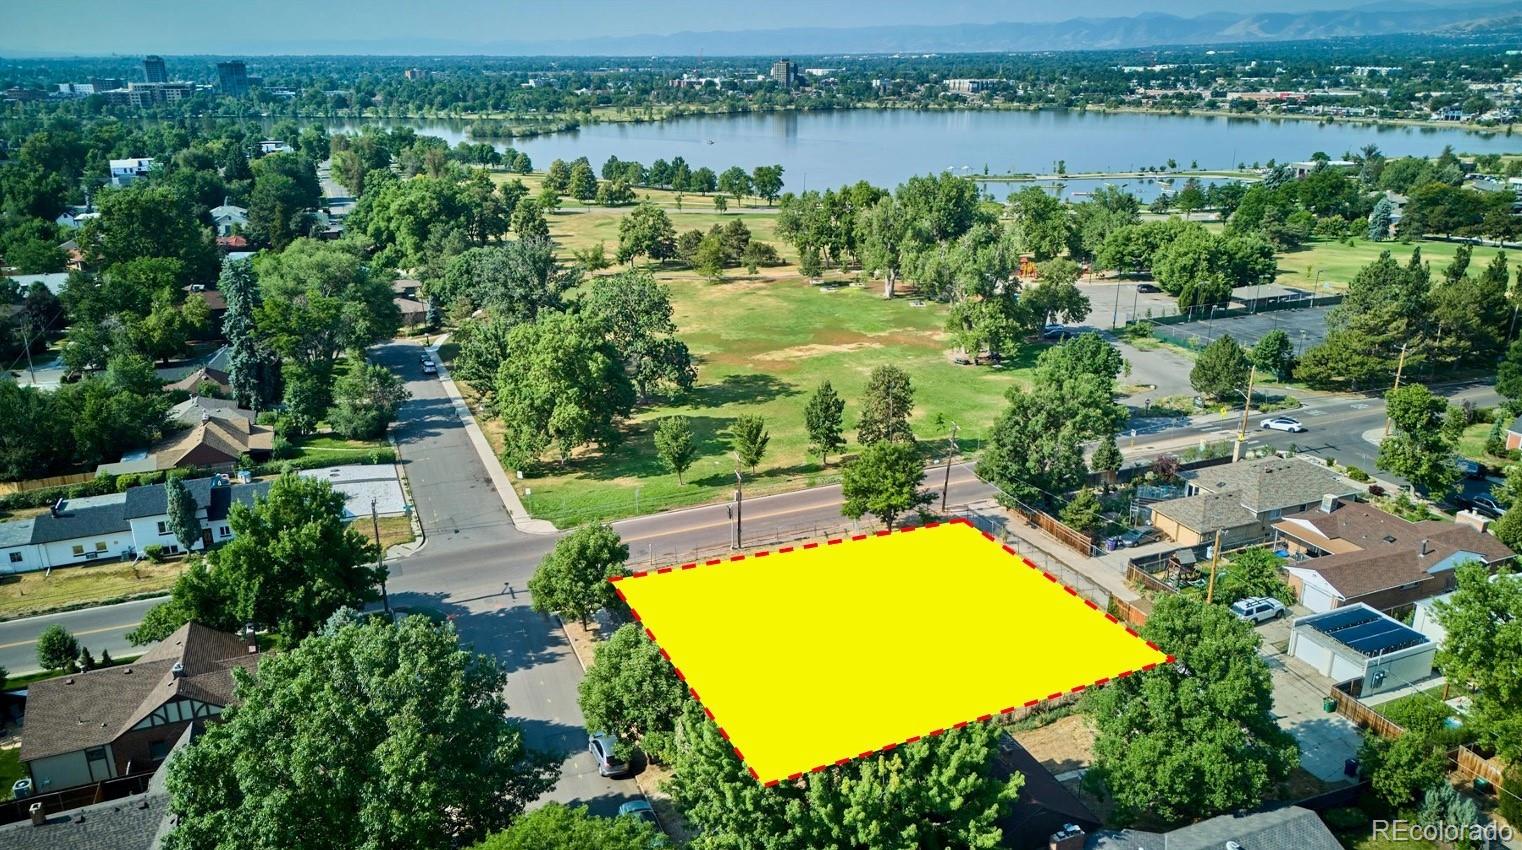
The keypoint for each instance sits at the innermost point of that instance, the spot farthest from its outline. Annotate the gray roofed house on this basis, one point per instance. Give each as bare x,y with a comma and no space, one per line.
1288,827
89,727
1241,499
83,517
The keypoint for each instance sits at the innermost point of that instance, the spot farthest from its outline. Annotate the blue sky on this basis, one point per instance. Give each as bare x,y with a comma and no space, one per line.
263,26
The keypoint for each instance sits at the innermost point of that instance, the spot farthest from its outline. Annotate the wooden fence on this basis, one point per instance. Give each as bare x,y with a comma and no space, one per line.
1475,766
9,487
1139,577
1057,530
1131,613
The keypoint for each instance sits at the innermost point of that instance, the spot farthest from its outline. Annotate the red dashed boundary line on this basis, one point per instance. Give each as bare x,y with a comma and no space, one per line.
1103,680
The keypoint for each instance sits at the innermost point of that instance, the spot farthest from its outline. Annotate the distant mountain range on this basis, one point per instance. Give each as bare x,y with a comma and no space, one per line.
1143,30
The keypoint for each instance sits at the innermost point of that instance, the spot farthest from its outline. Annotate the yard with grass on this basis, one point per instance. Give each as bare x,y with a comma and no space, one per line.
394,531
335,450
10,769
1337,263
70,587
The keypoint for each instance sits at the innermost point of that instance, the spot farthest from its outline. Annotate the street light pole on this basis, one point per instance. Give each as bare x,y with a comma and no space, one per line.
380,557
951,449
739,503
1236,450
1399,367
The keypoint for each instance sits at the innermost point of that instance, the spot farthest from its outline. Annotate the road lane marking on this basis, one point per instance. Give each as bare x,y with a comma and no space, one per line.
76,634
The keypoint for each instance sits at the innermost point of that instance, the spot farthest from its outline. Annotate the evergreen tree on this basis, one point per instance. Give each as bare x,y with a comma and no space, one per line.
182,513
253,368
886,408
823,419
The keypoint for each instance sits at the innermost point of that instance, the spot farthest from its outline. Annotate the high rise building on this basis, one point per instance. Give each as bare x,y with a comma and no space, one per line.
232,78
785,73
153,70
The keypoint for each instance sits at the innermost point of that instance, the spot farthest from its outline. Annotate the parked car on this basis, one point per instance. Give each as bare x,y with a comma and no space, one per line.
1473,470
1483,505
1258,609
429,368
640,809
1137,536
1281,423
600,745
424,356
1057,333
1148,287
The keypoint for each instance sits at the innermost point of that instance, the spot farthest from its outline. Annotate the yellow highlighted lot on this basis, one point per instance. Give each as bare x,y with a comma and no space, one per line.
816,655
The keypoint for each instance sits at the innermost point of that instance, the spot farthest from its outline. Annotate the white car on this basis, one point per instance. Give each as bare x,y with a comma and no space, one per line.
1257,609
429,368
1281,423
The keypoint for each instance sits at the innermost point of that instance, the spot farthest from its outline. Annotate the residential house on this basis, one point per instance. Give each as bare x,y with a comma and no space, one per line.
1045,806
117,525
83,728
229,219
269,146
1288,827
54,281
1241,499
124,171
193,382
193,410
406,297
215,443
1345,552
1514,434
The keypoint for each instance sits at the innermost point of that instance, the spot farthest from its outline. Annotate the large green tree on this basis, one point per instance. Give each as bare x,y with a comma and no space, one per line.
935,794
182,513
632,691
823,419
884,480
572,581
1483,651
145,220
635,313
319,301
646,231
1193,738
364,736
253,367
1422,445
1220,372
366,398
886,407
554,826
674,443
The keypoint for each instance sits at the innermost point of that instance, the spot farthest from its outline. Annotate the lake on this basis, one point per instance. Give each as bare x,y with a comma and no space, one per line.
885,147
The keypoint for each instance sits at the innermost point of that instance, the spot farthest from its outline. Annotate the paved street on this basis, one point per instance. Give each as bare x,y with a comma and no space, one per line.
102,628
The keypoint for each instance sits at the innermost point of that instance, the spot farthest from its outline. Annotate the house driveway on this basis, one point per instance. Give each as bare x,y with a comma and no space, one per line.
1325,739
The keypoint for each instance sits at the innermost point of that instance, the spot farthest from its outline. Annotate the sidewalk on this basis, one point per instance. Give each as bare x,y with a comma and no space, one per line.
514,505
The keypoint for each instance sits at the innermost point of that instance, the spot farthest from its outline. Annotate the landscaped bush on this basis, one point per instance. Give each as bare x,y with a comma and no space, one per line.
275,467
1346,819
154,552
1358,475
281,448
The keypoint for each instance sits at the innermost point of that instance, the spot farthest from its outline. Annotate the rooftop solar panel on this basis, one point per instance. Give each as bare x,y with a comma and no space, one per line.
1366,632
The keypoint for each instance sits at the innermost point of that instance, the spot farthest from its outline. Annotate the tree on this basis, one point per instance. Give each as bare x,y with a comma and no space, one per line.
197,596
1401,769
884,481
1221,370
404,725
554,826
1041,222
528,220
1381,219
367,397
516,280
646,231
1274,354
572,581
886,407
939,792
560,384
182,513
1483,651
583,183
150,221
253,369
1083,511
633,692
319,300
883,235
1194,738
1509,375
1107,458
1252,572
823,419
56,648
1442,805
277,207
1421,447
293,560
673,442
636,314
708,259
720,204
558,177
735,182
748,437
767,181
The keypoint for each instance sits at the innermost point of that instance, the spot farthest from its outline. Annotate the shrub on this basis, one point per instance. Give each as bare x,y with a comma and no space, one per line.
281,448
1358,475
154,552
1376,490
1346,819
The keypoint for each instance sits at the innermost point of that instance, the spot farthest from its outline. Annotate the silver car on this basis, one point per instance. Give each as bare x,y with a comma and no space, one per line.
600,745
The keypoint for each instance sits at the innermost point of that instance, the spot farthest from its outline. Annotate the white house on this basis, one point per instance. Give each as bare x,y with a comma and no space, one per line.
269,146
117,525
124,171
1357,641
229,219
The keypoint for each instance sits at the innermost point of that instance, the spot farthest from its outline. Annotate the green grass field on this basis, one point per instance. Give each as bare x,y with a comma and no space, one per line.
762,347
1337,263
10,770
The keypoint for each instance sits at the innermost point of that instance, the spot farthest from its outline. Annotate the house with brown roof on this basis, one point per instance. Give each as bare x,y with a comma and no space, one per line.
1240,500
89,727
215,443
191,383
1344,552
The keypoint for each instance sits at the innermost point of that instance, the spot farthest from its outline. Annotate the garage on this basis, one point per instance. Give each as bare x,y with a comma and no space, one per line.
1358,642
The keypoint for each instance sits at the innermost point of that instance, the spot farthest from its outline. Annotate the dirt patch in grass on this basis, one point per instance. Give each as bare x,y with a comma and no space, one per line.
1064,744
66,587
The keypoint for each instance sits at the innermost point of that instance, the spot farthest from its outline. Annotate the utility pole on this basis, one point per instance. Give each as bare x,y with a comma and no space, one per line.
1215,561
1236,450
739,502
951,449
1399,367
380,557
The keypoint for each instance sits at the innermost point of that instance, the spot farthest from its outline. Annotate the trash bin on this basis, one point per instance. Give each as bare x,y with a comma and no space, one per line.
1328,705
1482,785
1350,768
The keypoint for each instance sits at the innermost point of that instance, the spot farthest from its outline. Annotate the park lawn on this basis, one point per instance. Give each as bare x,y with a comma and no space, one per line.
762,347
578,229
39,592
1338,263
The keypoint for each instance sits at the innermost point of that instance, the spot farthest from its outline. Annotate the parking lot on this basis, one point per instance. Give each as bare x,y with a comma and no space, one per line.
1306,327
1118,301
